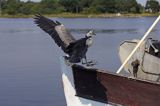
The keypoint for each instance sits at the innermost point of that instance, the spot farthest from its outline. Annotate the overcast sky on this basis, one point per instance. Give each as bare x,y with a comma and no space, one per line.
143,2
139,1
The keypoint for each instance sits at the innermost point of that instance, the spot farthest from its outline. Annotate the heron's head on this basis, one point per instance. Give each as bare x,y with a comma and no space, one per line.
90,33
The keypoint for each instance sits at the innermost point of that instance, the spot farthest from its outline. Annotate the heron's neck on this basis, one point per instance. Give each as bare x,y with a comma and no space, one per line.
89,41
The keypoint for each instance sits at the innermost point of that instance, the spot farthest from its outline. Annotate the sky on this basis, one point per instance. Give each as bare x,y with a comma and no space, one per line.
139,1
143,2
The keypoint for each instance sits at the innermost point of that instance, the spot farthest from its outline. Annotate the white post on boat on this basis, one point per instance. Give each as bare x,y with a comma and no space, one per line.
140,42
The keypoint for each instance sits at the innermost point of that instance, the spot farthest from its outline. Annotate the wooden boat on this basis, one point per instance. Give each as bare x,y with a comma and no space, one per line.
85,86
93,87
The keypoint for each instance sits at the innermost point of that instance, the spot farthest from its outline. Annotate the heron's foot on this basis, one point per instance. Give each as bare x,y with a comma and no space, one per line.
90,63
67,62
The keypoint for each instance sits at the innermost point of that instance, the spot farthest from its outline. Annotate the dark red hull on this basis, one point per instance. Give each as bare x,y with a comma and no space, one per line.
111,88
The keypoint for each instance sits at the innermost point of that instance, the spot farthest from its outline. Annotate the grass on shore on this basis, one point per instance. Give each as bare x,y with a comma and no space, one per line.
71,15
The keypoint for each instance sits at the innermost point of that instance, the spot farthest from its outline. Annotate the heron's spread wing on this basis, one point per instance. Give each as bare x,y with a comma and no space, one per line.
56,30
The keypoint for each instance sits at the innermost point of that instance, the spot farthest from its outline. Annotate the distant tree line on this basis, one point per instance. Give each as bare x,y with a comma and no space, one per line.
152,6
13,7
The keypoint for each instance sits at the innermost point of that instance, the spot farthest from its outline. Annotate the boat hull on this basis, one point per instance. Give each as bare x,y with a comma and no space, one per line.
69,89
92,87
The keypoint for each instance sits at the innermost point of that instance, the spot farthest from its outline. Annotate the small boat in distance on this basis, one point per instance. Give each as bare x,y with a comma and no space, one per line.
148,55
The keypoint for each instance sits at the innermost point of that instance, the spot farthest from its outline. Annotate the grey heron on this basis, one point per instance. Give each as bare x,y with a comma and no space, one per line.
75,49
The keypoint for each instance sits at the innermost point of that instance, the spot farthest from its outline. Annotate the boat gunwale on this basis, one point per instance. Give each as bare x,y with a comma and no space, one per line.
116,75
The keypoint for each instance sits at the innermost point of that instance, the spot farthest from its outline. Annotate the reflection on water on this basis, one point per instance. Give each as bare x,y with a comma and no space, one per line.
109,31
82,31
79,31
16,30
29,59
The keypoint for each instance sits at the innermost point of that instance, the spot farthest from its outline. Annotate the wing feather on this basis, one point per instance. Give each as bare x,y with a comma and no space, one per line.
56,30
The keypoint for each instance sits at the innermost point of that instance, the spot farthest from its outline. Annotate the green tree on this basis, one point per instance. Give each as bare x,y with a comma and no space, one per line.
114,6
86,3
153,5
127,6
26,8
49,6
102,6
12,6
71,5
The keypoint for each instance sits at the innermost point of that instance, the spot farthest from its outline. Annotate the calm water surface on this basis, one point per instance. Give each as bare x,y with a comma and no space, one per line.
29,59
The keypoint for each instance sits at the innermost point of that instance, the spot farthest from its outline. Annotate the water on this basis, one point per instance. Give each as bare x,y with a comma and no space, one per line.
29,59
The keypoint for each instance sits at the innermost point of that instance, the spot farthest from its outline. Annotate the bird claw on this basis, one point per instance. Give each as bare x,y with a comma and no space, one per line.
90,63
67,61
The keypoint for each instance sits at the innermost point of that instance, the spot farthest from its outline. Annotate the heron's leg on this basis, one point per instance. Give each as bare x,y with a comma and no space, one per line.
88,63
67,62
84,59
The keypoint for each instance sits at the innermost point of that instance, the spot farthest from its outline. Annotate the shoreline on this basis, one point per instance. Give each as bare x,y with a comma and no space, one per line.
71,15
